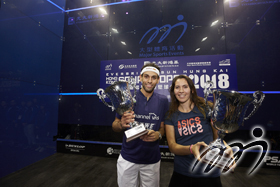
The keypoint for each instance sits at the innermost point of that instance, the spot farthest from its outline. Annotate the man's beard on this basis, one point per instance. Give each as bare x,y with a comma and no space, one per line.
148,91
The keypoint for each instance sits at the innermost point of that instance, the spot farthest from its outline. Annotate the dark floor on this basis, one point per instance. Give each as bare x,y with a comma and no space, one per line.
63,169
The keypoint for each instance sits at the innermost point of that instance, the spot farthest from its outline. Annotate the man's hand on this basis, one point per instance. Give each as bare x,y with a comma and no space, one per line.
127,118
151,136
122,124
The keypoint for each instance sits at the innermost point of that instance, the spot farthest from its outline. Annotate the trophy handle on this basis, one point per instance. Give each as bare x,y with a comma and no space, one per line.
132,82
257,103
207,90
101,95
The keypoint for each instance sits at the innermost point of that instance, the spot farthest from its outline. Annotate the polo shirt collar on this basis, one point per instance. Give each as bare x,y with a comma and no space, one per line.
142,95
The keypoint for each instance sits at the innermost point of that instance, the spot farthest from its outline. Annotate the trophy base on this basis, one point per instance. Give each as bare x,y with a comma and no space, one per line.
217,158
135,132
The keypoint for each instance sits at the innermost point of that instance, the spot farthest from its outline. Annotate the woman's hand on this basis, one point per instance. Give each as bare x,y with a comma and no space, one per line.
196,147
229,153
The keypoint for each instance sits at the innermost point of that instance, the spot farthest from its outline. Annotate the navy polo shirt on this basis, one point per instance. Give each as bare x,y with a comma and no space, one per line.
151,113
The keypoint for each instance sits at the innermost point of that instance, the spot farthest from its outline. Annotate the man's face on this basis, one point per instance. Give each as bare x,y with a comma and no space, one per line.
149,81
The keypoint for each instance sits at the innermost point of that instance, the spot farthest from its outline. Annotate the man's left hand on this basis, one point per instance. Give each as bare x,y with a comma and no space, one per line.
151,136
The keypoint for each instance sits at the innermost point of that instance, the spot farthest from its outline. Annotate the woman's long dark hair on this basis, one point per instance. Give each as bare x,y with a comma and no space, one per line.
194,98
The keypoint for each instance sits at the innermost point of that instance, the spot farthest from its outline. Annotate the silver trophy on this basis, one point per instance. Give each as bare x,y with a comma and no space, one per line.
122,101
228,114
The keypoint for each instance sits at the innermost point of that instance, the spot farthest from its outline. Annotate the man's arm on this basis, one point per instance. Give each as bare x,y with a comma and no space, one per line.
116,125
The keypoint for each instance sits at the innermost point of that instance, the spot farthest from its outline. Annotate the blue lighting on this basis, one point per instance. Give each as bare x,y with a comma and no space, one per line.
56,5
88,93
161,146
94,93
244,92
88,141
83,8
265,92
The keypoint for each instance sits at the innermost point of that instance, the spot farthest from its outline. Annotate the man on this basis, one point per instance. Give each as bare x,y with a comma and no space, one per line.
139,161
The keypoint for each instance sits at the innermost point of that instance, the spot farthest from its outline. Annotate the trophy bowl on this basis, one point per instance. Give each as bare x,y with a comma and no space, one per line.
229,109
122,101
120,97
228,114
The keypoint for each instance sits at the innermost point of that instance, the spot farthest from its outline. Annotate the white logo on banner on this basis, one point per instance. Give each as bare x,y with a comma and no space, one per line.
111,151
108,67
75,148
225,62
198,63
165,63
272,161
122,66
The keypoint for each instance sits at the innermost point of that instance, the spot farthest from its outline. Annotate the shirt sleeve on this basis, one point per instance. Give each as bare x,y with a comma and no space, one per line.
118,116
168,121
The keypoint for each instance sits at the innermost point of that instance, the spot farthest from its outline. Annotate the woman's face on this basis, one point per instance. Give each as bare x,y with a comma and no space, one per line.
182,90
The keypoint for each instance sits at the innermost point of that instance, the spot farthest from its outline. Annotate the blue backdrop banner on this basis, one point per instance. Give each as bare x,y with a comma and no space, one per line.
221,69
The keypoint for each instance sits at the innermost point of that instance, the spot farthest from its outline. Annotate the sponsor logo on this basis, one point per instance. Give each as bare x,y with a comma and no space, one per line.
162,51
112,151
75,148
85,19
272,160
166,29
225,62
151,116
198,63
190,126
122,66
108,67
167,155
217,160
148,126
165,63
163,32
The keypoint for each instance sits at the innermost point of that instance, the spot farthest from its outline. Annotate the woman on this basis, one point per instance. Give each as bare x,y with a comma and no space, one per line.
187,130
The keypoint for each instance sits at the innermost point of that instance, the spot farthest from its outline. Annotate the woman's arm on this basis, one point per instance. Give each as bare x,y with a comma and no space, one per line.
178,149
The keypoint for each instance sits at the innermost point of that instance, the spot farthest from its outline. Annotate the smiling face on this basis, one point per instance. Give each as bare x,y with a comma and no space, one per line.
182,91
149,81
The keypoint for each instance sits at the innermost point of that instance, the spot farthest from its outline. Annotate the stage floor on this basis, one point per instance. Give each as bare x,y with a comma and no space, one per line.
73,170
